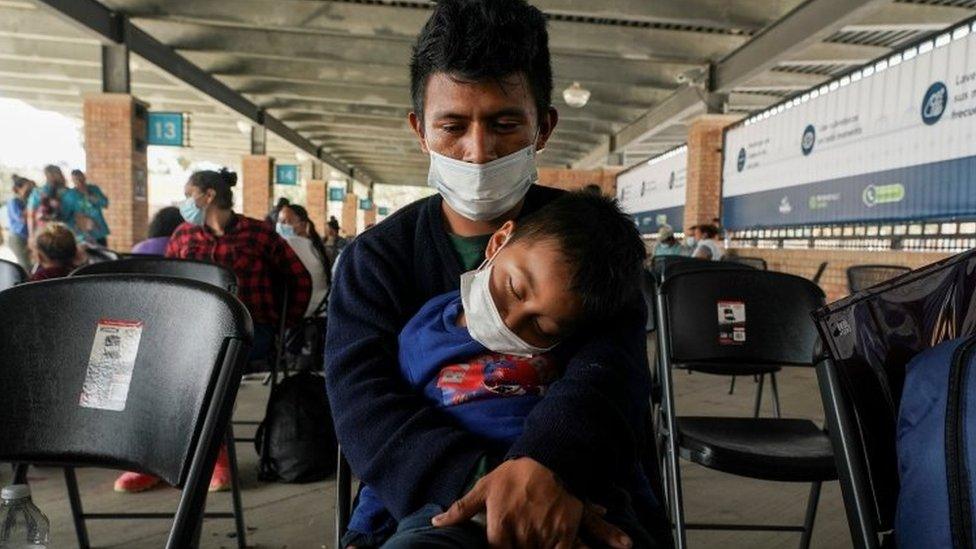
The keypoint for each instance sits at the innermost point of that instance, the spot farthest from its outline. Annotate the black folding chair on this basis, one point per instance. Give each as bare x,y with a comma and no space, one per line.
11,274
747,317
207,273
870,337
754,262
820,271
170,419
98,254
862,277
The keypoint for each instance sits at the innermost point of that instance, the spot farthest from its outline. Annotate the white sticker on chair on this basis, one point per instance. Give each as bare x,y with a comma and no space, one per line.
110,364
731,322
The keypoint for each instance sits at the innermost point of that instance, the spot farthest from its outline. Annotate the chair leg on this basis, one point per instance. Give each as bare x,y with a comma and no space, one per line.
343,498
812,503
77,513
772,380
235,490
677,501
732,386
759,392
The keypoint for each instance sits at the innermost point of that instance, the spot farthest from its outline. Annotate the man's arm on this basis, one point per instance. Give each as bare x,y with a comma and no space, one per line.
590,424
395,440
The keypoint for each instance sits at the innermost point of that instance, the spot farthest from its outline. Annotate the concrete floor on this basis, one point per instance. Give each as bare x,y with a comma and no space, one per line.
300,516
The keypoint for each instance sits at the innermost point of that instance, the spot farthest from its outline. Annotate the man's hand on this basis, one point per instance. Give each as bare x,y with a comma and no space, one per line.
526,506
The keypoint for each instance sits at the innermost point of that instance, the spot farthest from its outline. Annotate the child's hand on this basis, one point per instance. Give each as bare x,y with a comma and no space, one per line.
527,506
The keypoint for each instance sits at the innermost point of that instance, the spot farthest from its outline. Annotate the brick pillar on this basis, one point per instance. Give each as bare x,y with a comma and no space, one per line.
369,216
703,194
348,221
317,203
115,159
572,180
256,181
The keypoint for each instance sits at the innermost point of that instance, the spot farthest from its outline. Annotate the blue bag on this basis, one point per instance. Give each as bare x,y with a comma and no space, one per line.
936,441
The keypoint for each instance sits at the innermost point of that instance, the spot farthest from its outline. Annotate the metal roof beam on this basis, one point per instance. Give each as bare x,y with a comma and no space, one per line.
811,22
111,27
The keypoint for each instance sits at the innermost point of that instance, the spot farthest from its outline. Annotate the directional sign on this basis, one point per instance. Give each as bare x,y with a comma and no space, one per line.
286,174
337,194
382,210
166,128
365,204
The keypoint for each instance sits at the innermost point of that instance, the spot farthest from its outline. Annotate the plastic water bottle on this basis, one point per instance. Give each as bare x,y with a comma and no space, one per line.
22,524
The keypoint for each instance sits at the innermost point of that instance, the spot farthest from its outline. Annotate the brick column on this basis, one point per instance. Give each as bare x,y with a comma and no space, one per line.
703,194
317,203
369,216
571,180
115,160
256,181
348,221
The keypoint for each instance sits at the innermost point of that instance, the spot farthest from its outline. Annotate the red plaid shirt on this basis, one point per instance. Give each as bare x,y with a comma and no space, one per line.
257,255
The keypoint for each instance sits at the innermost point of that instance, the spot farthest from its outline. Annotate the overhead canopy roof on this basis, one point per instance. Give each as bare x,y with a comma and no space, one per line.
336,72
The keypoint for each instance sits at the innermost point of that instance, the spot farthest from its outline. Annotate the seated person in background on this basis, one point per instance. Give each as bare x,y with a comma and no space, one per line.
161,228
259,257
57,252
704,243
480,358
667,244
299,231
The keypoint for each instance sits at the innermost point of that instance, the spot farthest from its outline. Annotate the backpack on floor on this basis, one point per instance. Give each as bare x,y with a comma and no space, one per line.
936,441
296,441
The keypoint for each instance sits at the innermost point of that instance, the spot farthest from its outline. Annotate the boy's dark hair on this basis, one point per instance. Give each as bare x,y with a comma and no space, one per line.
220,182
78,173
600,242
480,40
165,222
57,243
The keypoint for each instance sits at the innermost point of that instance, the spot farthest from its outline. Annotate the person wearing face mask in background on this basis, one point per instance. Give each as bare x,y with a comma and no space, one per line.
466,360
481,85
256,254
298,230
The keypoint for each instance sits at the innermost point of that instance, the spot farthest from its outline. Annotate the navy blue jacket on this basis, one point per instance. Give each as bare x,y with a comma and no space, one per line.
588,428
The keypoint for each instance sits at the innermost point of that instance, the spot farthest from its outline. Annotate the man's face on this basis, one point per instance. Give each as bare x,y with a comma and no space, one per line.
531,284
79,180
479,122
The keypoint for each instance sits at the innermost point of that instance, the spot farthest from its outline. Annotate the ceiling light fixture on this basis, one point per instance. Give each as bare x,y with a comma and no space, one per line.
576,96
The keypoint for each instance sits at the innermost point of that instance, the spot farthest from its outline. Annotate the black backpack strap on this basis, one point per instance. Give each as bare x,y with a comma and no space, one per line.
957,472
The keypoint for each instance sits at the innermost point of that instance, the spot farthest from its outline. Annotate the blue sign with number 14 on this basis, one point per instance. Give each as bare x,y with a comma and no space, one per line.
286,174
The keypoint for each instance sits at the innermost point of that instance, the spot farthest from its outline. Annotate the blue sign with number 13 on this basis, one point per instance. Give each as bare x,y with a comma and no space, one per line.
166,128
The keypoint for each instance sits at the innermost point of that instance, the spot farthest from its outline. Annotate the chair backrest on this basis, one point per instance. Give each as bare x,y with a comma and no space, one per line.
202,271
820,271
870,337
119,371
739,316
98,254
754,262
11,274
660,262
862,277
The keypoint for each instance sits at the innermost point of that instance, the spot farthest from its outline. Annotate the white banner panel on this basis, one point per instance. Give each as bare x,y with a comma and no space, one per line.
654,191
892,141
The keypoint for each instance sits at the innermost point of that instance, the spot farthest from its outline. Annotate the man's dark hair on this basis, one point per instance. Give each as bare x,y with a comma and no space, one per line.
601,244
78,173
480,40
165,222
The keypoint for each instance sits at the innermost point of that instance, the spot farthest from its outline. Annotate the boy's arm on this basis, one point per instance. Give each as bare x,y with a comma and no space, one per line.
395,440
590,424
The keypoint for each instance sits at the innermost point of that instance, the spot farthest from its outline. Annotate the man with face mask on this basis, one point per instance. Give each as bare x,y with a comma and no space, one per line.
481,82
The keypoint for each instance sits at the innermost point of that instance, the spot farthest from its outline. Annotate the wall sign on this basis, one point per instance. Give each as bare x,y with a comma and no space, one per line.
166,129
653,192
337,194
382,210
891,141
286,174
365,204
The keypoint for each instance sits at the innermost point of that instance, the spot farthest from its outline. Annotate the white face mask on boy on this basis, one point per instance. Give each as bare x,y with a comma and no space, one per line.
485,323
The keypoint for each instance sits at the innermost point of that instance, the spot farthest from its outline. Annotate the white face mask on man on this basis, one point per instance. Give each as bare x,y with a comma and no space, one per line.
485,323
483,191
